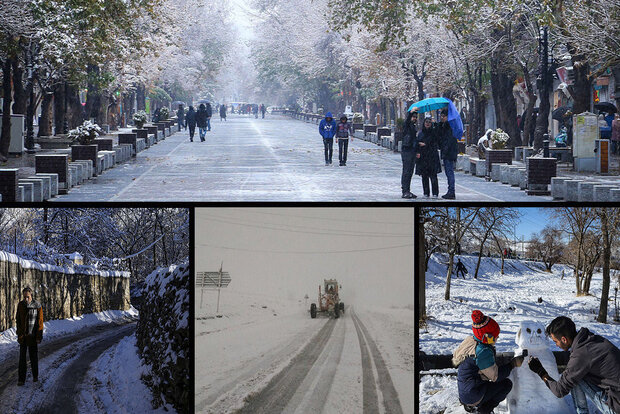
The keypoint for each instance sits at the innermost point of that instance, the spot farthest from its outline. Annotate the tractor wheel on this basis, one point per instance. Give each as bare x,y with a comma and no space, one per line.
313,310
341,304
336,312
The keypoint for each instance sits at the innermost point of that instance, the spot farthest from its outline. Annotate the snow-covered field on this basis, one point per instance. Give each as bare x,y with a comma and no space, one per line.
509,298
61,327
258,336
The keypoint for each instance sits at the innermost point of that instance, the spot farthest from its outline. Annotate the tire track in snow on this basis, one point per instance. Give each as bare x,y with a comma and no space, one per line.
280,390
391,402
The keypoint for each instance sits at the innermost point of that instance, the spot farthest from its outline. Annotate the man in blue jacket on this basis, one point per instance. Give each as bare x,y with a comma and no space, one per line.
327,129
482,384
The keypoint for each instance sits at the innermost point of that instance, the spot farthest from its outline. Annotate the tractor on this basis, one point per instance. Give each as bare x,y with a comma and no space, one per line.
329,300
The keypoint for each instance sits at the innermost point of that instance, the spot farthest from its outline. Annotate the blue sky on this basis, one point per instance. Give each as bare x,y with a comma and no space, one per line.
533,220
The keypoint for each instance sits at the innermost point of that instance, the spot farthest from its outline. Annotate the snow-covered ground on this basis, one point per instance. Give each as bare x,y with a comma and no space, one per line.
258,336
509,298
62,327
113,383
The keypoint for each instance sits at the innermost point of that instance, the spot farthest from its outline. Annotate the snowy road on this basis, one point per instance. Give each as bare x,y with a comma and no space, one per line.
294,364
63,363
272,159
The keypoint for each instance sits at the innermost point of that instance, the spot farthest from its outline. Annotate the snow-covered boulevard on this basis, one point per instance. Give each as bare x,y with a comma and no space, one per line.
65,364
271,159
267,355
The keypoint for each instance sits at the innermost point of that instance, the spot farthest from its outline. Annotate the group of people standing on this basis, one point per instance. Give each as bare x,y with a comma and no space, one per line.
200,118
420,150
341,131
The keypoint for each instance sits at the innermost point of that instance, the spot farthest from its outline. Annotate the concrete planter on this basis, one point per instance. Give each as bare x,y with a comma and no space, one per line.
84,152
498,156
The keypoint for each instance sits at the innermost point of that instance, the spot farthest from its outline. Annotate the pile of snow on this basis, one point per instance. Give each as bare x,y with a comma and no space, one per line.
63,327
524,293
163,336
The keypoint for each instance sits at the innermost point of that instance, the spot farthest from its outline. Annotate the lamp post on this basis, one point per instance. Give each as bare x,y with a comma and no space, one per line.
30,109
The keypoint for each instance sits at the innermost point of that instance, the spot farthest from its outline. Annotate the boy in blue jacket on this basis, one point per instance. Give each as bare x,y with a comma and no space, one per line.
327,129
482,384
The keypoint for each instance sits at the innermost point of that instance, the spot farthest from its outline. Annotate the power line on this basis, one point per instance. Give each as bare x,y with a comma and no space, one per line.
320,218
324,231
303,252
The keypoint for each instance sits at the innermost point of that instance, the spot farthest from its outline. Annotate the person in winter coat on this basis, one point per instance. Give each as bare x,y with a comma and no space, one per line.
190,121
427,164
482,384
449,151
180,116
155,117
201,121
460,269
29,332
209,115
592,372
343,129
484,143
263,110
222,112
255,110
407,154
327,129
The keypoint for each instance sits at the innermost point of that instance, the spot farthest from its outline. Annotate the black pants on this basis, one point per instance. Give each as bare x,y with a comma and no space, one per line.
192,131
496,393
179,123
408,158
461,272
34,361
343,146
328,144
434,184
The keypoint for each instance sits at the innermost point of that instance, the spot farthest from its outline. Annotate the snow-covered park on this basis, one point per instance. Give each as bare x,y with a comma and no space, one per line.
524,294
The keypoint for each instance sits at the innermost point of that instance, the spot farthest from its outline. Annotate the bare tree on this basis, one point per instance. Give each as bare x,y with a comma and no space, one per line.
609,219
547,246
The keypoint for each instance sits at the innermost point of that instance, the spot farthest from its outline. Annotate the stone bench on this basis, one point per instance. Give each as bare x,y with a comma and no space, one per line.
614,195
78,173
558,187
127,150
498,156
27,191
100,163
86,171
46,186
140,145
36,191
130,139
462,163
54,164
572,190
109,159
372,137
53,182
505,173
152,130
602,192
150,141
477,167
540,171
496,172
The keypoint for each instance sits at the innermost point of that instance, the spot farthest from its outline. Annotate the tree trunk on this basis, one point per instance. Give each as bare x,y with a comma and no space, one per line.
505,104
479,260
422,264
602,311
582,86
74,107
59,108
19,93
5,137
45,126
449,275
141,97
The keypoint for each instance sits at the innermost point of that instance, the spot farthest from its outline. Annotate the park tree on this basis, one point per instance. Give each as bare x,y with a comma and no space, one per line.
547,246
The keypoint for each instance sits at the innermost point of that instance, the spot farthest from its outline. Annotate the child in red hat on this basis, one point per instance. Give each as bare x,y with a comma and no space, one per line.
482,384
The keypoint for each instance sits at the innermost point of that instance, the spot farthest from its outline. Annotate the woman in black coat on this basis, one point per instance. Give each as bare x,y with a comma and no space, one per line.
427,158
202,121
408,153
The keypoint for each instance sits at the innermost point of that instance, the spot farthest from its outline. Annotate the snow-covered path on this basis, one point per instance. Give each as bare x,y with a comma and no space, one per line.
63,364
294,364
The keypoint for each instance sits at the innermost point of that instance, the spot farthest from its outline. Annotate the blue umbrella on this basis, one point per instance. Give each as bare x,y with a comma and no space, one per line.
430,104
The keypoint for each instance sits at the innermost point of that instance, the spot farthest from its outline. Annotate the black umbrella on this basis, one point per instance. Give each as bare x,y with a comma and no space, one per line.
558,114
607,107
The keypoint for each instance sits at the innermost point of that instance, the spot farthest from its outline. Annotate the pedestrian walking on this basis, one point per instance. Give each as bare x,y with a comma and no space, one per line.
222,112
460,269
449,151
29,330
343,129
201,121
615,135
408,152
482,383
327,129
263,110
180,116
209,114
427,164
593,368
255,110
155,117
190,121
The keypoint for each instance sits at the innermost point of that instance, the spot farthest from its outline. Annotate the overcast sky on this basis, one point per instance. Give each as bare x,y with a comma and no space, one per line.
289,251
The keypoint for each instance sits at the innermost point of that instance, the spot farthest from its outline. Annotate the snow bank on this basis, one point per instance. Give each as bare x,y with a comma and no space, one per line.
163,336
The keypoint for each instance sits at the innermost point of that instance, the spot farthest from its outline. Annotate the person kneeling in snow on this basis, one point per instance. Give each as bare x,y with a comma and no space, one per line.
592,372
482,384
